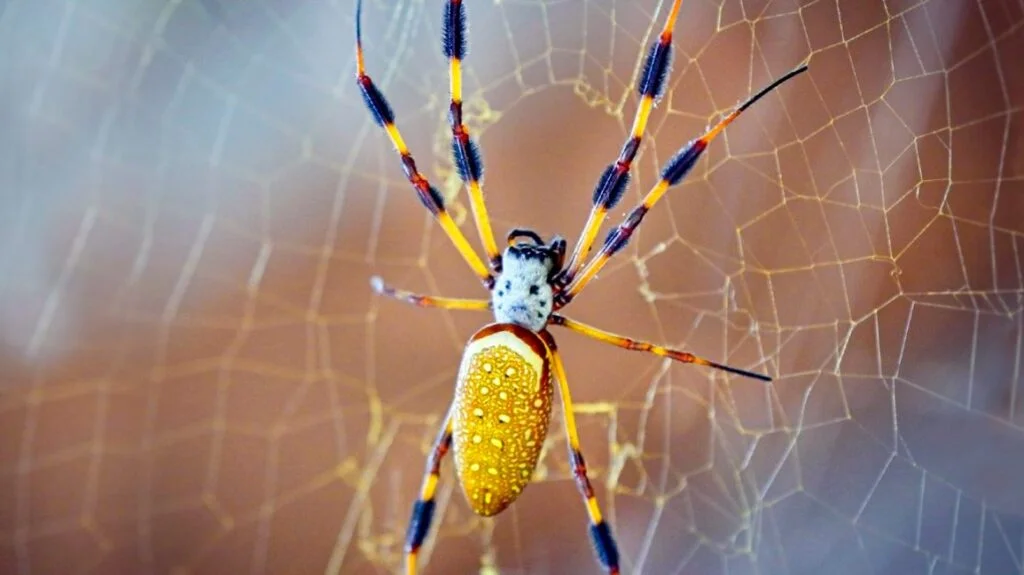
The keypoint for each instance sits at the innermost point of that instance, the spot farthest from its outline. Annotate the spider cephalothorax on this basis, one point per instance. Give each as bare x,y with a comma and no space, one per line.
499,415
523,293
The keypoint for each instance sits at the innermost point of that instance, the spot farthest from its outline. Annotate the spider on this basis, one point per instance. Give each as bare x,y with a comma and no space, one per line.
499,416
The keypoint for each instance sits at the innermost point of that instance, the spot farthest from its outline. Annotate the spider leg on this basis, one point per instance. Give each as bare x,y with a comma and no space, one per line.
464,149
600,532
615,178
423,509
427,300
636,345
673,173
428,194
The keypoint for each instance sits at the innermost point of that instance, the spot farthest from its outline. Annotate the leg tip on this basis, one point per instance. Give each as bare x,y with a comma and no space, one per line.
377,284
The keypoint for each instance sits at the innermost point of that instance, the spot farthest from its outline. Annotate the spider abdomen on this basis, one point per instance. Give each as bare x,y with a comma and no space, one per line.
501,413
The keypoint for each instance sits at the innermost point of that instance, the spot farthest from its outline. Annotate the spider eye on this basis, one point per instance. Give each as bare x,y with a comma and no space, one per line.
534,289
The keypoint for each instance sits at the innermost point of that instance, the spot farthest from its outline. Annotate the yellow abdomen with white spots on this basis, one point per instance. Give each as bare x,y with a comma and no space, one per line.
501,413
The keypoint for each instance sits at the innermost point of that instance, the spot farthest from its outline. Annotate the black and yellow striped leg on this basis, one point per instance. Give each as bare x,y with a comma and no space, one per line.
615,178
637,345
423,509
600,532
464,149
673,173
428,194
428,300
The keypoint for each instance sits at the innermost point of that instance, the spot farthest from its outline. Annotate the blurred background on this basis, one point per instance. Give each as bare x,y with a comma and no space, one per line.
196,378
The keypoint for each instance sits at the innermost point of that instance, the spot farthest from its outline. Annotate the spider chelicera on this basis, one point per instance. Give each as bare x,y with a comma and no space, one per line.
499,416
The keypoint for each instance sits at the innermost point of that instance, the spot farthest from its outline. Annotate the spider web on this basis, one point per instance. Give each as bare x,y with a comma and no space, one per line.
197,379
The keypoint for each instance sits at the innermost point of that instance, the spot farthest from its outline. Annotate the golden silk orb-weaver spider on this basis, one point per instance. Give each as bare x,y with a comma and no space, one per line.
502,405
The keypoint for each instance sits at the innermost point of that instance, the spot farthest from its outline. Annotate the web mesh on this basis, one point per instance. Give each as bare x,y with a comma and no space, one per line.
197,379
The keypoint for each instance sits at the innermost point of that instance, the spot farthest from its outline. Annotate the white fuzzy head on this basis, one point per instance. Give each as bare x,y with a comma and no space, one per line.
522,293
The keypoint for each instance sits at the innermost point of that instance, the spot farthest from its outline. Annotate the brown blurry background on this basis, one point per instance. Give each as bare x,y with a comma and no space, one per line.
196,378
